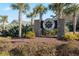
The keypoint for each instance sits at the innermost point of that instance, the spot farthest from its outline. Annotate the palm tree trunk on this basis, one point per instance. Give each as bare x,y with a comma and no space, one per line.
41,23
31,21
20,23
41,16
74,23
32,24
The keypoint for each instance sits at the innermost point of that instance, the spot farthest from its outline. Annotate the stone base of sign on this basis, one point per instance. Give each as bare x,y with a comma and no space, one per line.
37,28
61,27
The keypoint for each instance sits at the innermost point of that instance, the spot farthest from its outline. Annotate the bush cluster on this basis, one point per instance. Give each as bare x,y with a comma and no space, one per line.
71,36
14,31
50,33
30,35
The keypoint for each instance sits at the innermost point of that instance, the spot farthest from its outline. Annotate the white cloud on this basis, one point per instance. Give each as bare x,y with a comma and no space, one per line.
6,9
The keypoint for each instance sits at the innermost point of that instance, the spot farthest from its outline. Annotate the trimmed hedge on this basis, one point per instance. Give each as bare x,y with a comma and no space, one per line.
71,36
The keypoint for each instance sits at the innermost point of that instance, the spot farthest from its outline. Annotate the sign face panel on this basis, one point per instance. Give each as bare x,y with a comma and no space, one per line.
48,24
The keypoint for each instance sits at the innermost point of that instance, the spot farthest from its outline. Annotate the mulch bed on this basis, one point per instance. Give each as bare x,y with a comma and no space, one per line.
39,40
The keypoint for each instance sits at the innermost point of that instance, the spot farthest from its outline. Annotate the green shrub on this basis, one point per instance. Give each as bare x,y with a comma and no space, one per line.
50,33
13,30
70,36
26,29
4,33
77,34
30,35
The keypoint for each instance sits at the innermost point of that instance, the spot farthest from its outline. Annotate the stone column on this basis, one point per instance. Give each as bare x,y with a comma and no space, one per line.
61,28
37,28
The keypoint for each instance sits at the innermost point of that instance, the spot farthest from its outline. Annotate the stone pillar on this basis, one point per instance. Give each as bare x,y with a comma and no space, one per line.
37,28
61,28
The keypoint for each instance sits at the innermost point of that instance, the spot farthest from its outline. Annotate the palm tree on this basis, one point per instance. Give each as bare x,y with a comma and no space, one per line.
73,10
59,10
40,10
3,20
21,7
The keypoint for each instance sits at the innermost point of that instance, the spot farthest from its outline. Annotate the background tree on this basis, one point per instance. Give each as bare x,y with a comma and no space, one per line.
58,9
4,20
22,7
73,10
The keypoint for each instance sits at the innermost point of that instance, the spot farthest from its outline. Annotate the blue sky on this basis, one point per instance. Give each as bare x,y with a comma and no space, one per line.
5,9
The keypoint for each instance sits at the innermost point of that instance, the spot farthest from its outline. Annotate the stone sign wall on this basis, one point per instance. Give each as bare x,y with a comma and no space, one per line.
37,28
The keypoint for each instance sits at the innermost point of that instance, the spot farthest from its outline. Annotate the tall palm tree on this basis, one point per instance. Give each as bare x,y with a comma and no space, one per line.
40,10
4,20
73,10
21,7
58,9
